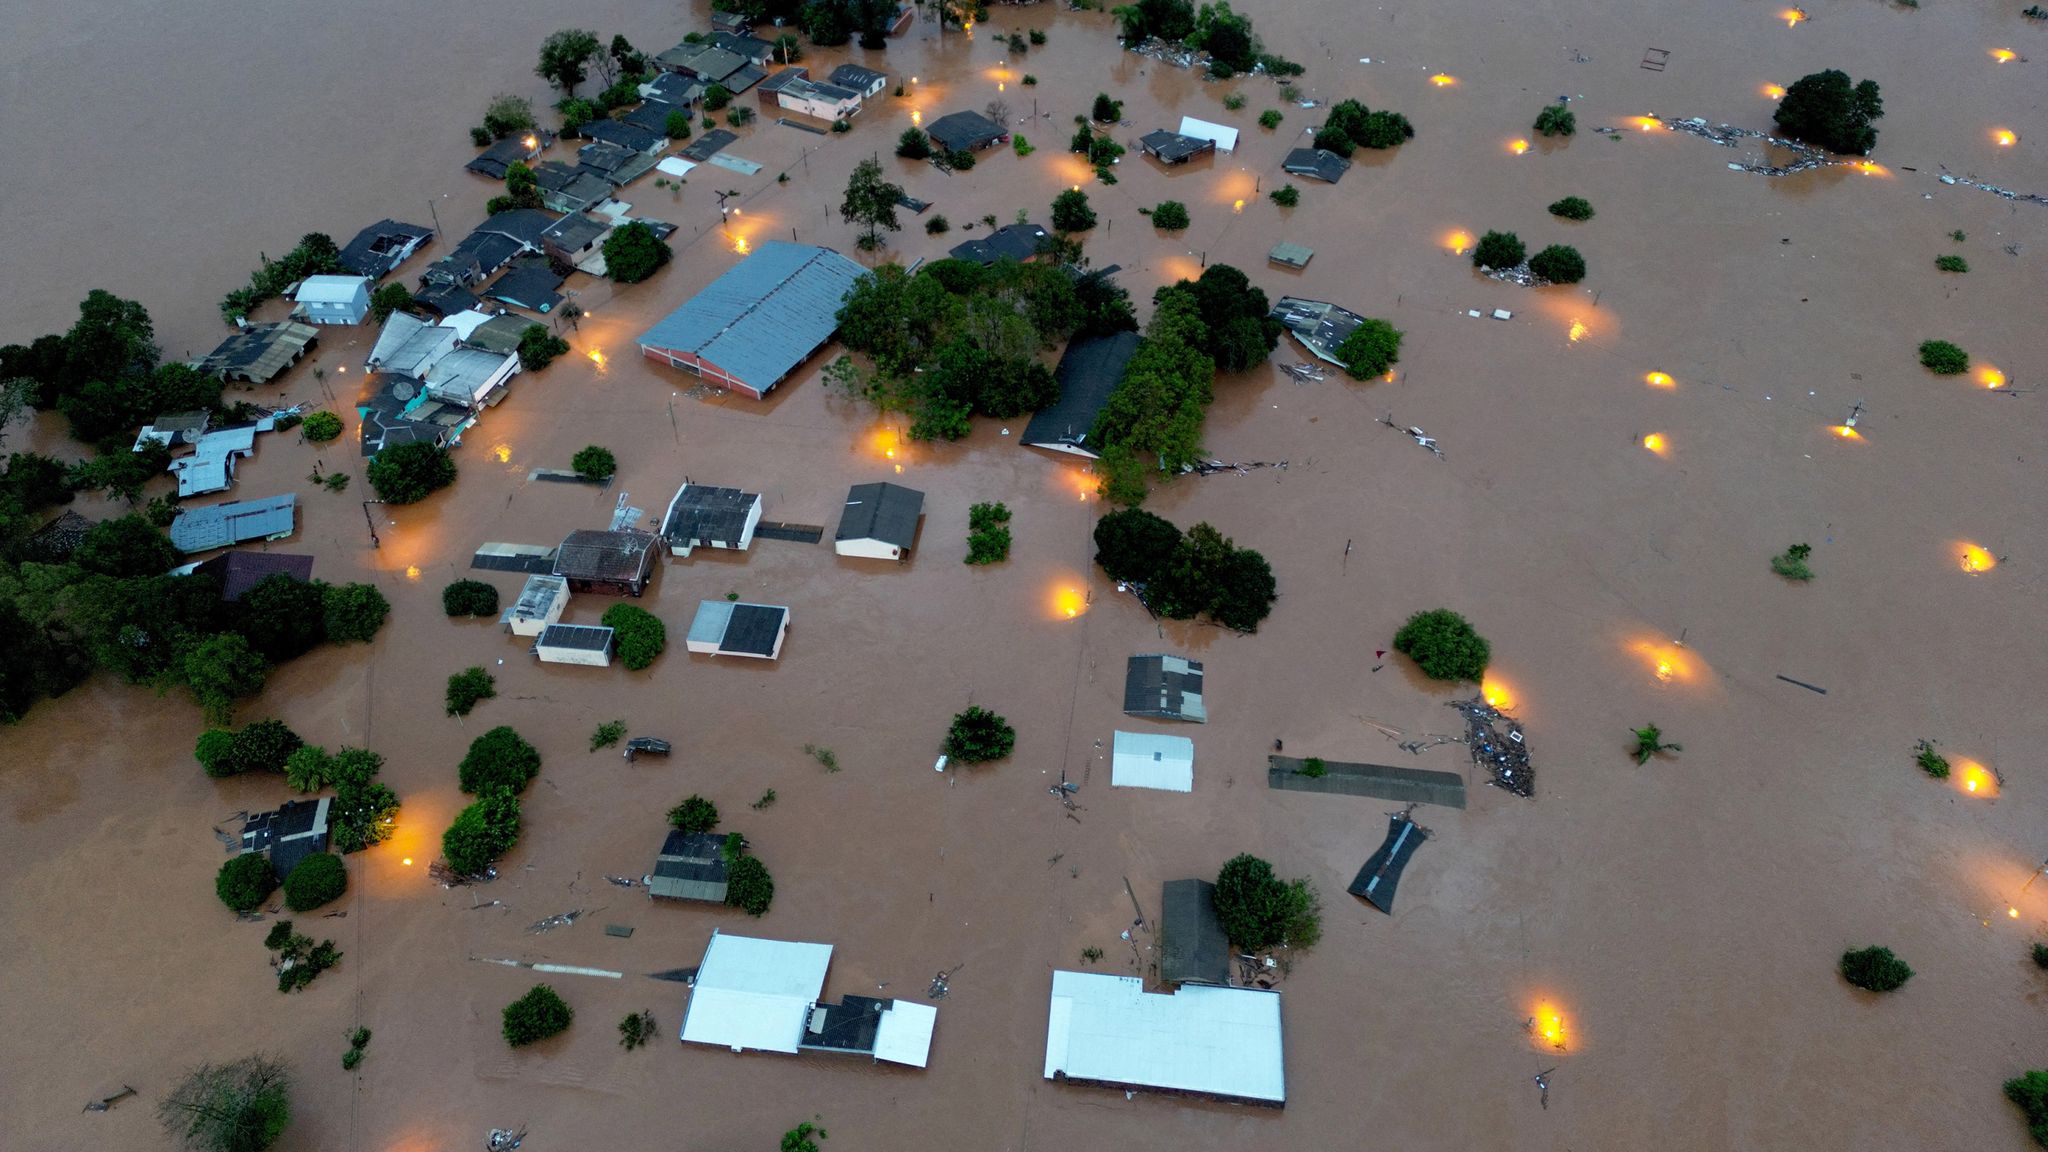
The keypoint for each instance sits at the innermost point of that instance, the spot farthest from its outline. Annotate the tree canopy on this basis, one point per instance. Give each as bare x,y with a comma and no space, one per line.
870,202
500,759
694,815
1371,349
539,347
409,473
1559,264
1182,576
565,57
539,1014
238,1107
243,882
978,735
315,880
1071,213
1444,645
222,669
1824,108
633,253
481,833
640,635
1258,910
1350,125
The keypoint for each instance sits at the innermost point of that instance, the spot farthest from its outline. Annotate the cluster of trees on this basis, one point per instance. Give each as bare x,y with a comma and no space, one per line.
1557,264
1185,576
634,252
978,736
299,960
639,635
1258,910
534,1017
470,598
956,338
109,606
748,886
1071,212
1556,120
363,810
1171,215
238,1107
499,765
1825,108
468,688
1444,645
1875,969
522,190
505,115
1572,208
1351,125
539,347
105,375
830,23
594,462
1154,418
316,880
988,533
1943,358
568,57
1213,28
314,255
1101,150
409,473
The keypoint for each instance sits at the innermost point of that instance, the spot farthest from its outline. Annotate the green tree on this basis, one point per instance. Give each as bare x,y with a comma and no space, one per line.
212,750
978,735
1106,110
265,746
1443,644
1258,910
564,56
500,760
1244,590
1556,120
798,1139
314,881
1134,545
507,114
988,533
1170,215
914,144
1572,208
1286,196
1225,36
321,427
389,298
481,833
594,463
1875,969
716,96
748,886
362,813
282,617
539,347
1071,213
1951,263
468,688
409,473
470,598
870,202
222,669
125,546
244,881
1270,119
1824,108
307,768
1791,563
1371,349
1559,264
353,767
1498,250
354,612
634,252
1943,358
1650,742
539,1014
676,125
640,635
2030,1091
238,1107
522,190
694,815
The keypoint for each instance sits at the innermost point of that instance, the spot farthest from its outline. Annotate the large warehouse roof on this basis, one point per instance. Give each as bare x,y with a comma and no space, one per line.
754,993
1221,1042
765,315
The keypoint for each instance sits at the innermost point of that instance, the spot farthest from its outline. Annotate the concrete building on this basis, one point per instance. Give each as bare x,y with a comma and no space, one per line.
574,644
730,628
752,326
1150,760
332,299
822,101
879,522
1222,135
1220,1043
701,516
541,603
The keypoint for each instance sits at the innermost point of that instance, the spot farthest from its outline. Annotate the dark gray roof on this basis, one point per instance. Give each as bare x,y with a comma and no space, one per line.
570,189
705,61
1382,872
1317,164
499,334
393,413
702,514
497,159
240,571
651,116
674,88
1192,946
631,137
381,247
856,77
744,79
445,299
740,44
1090,370
522,224
259,352
1172,147
848,1026
581,637
964,131
623,556
764,315
706,146
619,165
1017,242
575,232
752,629
1164,687
690,866
783,79
530,283
288,834
881,511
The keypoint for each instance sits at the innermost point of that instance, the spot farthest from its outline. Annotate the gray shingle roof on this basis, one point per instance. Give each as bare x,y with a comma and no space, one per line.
612,557
1316,163
764,316
856,77
885,512
1192,944
964,131
1172,147
1088,372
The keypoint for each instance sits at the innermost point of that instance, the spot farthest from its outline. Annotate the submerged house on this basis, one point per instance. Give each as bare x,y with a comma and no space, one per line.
1316,164
1089,371
865,81
1376,882
1150,760
396,409
1164,687
1174,148
1218,1043
1222,136
211,526
1019,242
584,644
822,101
618,562
879,521
701,516
751,327
965,132
378,250
332,299
570,189
763,995
730,628
258,352
497,159
1319,326
287,835
211,466
541,602
240,571
1193,948
690,866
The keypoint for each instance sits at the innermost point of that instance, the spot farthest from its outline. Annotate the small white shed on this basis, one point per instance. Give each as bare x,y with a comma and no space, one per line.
332,299
575,644
1150,760
1224,135
540,604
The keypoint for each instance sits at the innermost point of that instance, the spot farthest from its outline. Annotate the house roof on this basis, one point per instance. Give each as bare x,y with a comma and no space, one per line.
525,225
575,232
690,866
1089,371
240,571
1221,1042
1192,944
620,166
574,188
500,333
738,629
964,131
741,44
622,555
764,315
469,374
1292,255
408,345
1320,325
212,463
288,834
331,289
1317,163
1172,147
777,81
1381,875
648,116
537,599
576,637
1017,242
707,62
706,146
881,511
898,1031
744,79
1224,136
497,159
260,351
396,410
379,249
529,283
856,77
445,299
673,88
631,137
812,89
701,513
1165,687
754,993
1151,760
201,529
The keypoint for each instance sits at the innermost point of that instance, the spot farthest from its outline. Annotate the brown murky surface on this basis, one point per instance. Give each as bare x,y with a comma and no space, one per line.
1682,918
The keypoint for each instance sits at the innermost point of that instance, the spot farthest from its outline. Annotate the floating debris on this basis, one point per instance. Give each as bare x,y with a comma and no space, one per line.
1305,373
1506,759
1212,467
106,1102
624,881
559,920
942,983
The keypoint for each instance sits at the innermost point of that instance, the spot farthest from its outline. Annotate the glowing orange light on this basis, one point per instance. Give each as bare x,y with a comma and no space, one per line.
1237,207
1069,602
741,246
916,117
1846,432
1518,146
1990,377
2006,137
1659,380
2013,912
1443,80
412,572
1654,442
968,27
1792,16
1578,331
596,357
1774,91
1457,242
1496,692
1389,377
2003,54
1646,123
999,86
1547,1025
899,469
1077,187
885,442
502,451
407,861
1976,559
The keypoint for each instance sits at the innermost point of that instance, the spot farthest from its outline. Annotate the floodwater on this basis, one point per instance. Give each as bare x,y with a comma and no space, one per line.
1681,919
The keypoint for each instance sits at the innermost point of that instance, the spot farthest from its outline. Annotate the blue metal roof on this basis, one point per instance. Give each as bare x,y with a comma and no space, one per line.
765,315
219,525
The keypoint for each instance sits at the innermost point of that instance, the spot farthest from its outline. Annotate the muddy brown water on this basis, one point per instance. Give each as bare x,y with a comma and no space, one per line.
1681,919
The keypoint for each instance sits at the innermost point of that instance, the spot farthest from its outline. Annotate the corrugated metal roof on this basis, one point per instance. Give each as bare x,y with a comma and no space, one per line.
765,315
219,525
881,511
1149,760
1223,1042
331,289
576,637
753,993
905,1033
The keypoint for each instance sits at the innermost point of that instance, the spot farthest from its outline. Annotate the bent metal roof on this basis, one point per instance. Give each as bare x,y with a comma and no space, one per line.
764,316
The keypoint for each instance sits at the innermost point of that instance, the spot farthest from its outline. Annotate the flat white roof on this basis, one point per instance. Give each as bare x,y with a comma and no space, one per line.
1223,1042
1224,135
1149,760
754,993
904,1035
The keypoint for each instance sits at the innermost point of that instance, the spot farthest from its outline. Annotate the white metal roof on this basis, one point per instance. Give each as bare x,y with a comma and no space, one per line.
1218,1041
904,1035
754,993
1224,135
464,322
1149,760
330,289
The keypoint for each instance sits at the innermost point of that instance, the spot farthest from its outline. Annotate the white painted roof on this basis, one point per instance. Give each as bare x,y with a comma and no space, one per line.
904,1035
1220,1041
331,289
464,322
1224,135
675,166
1149,760
754,993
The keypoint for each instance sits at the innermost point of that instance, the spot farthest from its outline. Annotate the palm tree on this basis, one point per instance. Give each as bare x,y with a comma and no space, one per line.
1650,741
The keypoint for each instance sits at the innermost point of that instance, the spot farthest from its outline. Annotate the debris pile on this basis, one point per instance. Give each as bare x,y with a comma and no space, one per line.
1212,467
1965,181
1305,373
1506,758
